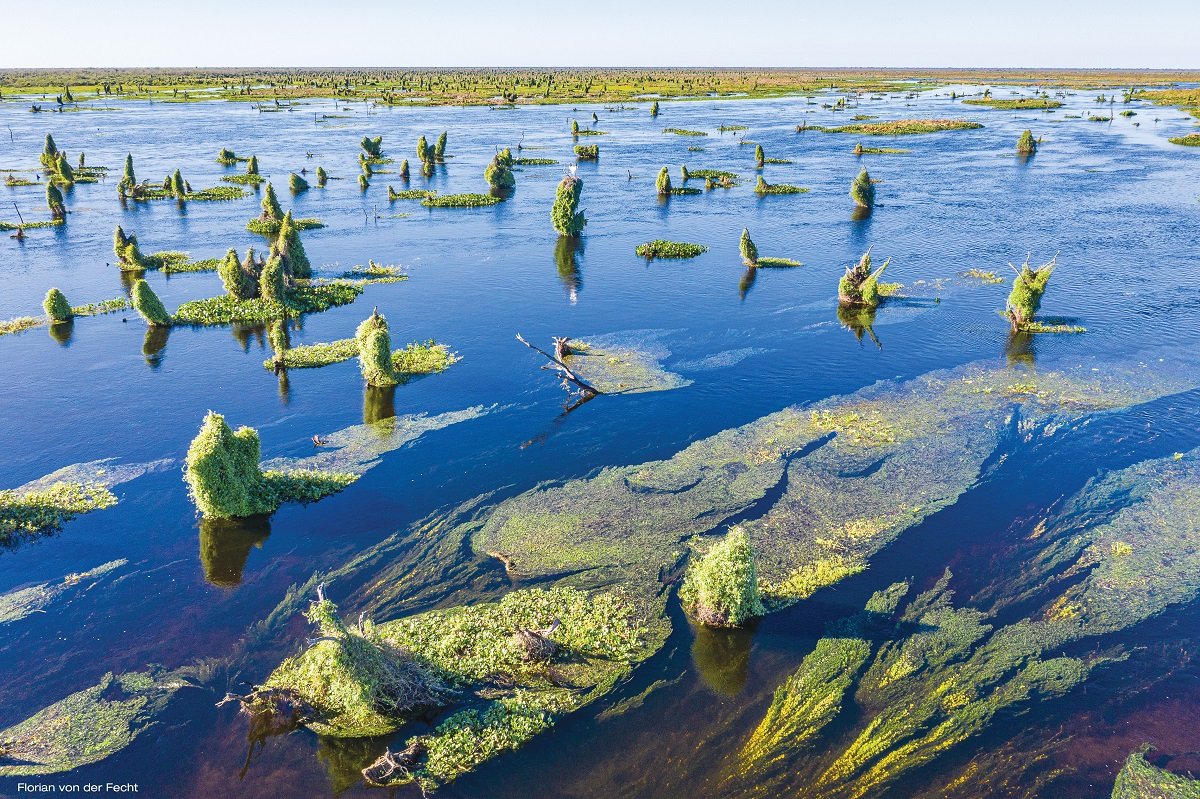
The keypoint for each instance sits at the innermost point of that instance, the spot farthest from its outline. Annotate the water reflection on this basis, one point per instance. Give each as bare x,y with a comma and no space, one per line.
747,281
1019,348
722,658
62,332
859,321
566,257
244,333
345,758
379,403
154,344
225,546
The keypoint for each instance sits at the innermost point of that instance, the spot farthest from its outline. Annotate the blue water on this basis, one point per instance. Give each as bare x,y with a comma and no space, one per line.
1114,201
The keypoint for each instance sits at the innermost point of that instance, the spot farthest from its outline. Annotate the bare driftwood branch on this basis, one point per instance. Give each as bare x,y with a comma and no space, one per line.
561,350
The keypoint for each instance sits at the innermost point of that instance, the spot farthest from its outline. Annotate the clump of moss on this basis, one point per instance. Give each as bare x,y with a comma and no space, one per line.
148,305
721,590
1026,296
240,278
587,152
663,182
859,287
862,190
54,201
1026,144
748,249
227,157
759,156
363,183
373,148
661,248
56,306
297,184
568,220
322,177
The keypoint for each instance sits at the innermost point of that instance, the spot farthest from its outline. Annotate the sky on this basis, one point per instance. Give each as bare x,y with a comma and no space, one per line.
446,33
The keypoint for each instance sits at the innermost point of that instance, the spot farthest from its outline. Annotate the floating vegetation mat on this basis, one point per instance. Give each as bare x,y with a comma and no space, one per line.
623,363
87,726
661,248
534,162
684,132
460,200
269,227
1190,140
904,127
1140,780
414,360
1018,104
1119,553
44,505
305,298
16,605
356,449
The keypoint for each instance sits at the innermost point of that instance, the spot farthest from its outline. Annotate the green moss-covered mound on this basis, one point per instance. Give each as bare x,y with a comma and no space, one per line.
721,589
859,287
661,248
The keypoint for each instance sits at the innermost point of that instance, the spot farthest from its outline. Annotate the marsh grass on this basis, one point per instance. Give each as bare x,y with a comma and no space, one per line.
661,248
460,200
904,127
684,132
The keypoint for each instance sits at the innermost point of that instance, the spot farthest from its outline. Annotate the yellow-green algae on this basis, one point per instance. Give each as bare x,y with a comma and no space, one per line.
623,363
17,604
949,671
415,359
86,726
1140,780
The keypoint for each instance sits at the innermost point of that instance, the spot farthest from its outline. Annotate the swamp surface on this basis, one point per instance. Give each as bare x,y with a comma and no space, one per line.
980,549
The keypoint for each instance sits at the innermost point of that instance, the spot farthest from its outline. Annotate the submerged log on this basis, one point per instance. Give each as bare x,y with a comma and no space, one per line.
392,767
535,646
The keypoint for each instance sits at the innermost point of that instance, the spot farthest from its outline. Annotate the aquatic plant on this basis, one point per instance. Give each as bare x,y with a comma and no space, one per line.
423,153
684,132
179,187
272,281
56,306
904,127
54,201
721,590
1190,140
372,147
859,286
1026,144
498,174
439,147
49,156
404,169
62,171
240,279
1138,779
148,305
862,190
227,157
762,187
410,194
322,177
568,220
252,165
375,352
574,127
661,248
288,247
363,183
587,152
747,249
654,109
1017,104
468,200
272,211
1026,296
663,182
759,156
297,184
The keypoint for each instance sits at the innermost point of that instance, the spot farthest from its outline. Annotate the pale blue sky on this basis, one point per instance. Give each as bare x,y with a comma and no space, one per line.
924,33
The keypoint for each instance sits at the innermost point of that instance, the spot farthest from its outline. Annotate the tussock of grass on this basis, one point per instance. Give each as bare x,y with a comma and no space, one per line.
661,248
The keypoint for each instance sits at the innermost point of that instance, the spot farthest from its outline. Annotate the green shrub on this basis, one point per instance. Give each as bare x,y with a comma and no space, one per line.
290,249
363,183
222,473
422,149
178,186
759,156
1026,145
272,281
252,165
859,287
661,248
372,147
239,281
297,184
568,220
63,171
654,109
862,191
226,157
721,590
404,173
56,306
1025,299
587,152
322,177
663,182
271,209
439,148
147,303
748,249
54,201
129,179
499,174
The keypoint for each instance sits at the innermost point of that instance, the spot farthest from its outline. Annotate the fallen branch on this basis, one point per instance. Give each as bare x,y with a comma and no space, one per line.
562,350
